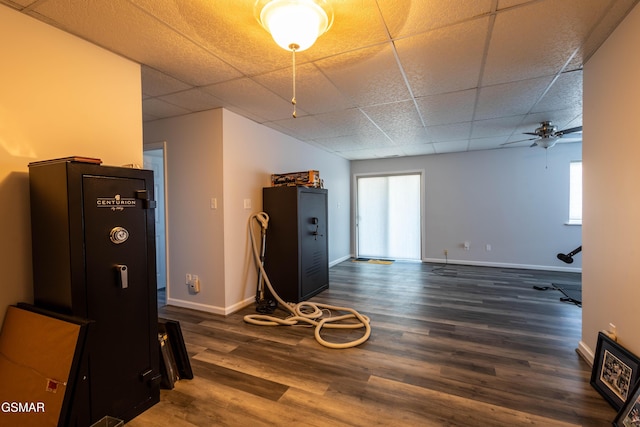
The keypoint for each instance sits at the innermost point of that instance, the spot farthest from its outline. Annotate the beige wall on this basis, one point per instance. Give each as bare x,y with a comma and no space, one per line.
252,152
219,154
611,201
59,96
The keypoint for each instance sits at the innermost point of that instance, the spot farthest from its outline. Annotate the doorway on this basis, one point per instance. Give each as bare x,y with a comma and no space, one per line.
388,212
154,159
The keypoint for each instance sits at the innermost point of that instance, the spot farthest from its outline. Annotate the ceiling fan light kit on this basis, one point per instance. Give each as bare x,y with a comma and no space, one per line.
295,25
546,135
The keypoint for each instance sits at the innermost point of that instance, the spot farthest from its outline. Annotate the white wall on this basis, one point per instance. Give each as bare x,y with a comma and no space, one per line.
219,154
611,279
59,96
195,240
514,199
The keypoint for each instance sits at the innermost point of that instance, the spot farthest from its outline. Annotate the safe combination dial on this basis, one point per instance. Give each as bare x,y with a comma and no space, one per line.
119,235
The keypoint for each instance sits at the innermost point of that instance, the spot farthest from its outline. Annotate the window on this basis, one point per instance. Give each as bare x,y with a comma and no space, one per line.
575,193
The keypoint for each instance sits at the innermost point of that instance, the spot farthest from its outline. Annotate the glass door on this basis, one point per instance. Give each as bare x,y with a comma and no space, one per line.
388,217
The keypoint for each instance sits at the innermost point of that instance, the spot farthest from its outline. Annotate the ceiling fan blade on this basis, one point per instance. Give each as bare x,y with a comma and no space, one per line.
520,140
535,144
570,130
530,133
570,139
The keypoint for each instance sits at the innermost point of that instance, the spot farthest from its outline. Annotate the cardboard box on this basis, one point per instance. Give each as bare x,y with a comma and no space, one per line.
309,178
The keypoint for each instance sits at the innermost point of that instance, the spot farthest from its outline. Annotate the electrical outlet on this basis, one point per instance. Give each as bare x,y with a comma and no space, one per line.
194,283
613,333
446,252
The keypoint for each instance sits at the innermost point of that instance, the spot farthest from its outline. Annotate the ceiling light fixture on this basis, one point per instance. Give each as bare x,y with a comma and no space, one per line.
295,25
546,141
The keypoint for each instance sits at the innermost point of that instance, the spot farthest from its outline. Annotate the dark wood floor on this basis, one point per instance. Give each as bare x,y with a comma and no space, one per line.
459,346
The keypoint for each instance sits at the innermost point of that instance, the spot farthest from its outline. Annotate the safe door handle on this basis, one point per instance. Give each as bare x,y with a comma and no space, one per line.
122,276
316,232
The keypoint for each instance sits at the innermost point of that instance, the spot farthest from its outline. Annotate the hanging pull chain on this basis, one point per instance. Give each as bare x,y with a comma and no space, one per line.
293,48
546,158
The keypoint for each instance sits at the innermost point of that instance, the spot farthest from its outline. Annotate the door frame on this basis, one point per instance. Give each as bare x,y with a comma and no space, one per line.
163,146
356,176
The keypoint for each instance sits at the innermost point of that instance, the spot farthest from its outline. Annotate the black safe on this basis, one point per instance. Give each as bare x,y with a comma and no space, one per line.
93,239
297,252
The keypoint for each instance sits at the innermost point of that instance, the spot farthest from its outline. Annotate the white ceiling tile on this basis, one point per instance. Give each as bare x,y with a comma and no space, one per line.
451,132
450,147
23,3
538,38
564,93
395,116
158,108
367,76
356,24
369,85
418,149
409,136
406,17
447,108
314,92
125,29
244,113
253,97
193,100
500,127
505,4
348,122
156,83
444,60
375,153
358,154
510,98
355,142
486,143
305,127
226,28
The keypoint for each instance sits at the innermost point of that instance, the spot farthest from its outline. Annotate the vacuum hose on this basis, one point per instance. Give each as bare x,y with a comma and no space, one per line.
305,311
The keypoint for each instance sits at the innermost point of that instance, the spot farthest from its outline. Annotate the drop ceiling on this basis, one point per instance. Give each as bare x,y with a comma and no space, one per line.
390,78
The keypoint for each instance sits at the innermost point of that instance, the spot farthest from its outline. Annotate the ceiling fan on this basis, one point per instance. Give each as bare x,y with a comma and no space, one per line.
546,135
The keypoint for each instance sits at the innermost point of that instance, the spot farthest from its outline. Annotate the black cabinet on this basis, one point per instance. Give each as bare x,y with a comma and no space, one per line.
296,258
94,257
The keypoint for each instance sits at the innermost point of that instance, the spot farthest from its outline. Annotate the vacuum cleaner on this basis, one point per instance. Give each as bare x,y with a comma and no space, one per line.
313,314
572,293
568,258
264,304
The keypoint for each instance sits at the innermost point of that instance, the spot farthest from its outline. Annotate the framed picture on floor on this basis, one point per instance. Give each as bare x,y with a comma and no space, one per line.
629,415
615,371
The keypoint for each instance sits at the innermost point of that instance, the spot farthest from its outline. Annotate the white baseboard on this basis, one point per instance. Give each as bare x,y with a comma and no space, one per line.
224,311
504,265
585,352
339,260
